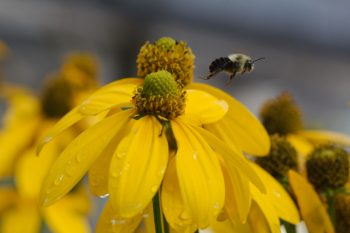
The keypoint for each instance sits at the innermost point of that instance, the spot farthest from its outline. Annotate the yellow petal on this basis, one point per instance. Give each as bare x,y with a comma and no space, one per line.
76,159
138,167
323,136
300,144
262,208
13,141
200,176
61,218
28,182
117,92
24,218
245,129
233,158
204,108
311,208
99,172
8,196
279,198
65,122
109,222
228,227
173,206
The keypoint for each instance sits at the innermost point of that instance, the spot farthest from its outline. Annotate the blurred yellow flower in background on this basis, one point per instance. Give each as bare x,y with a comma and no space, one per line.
281,115
26,119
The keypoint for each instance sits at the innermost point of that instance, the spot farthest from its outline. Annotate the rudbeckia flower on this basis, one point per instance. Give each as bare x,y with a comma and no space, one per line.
266,209
282,116
153,143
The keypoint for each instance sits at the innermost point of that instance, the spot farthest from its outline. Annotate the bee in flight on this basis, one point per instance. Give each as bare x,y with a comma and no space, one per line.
232,64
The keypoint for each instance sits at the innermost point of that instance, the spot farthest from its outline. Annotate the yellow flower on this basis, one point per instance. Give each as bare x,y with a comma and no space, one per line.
282,115
266,209
138,146
312,211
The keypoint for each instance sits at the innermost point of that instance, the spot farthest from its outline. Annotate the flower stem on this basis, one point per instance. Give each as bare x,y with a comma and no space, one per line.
330,202
290,228
160,223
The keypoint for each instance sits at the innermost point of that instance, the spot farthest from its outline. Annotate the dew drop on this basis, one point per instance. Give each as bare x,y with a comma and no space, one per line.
118,221
185,215
127,166
154,188
195,155
145,216
58,180
104,196
121,154
162,171
79,157
117,174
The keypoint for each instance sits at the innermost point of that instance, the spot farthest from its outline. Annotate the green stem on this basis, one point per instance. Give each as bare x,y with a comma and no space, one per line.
160,223
330,201
290,228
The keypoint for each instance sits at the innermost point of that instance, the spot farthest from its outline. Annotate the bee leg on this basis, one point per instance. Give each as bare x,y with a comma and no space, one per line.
211,74
230,78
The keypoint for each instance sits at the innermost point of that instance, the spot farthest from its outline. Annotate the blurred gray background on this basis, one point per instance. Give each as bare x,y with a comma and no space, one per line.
306,43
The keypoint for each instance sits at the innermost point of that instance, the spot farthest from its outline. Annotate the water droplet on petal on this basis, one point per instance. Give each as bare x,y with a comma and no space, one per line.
58,179
104,196
145,216
79,157
127,166
195,155
117,174
185,215
121,154
154,188
118,221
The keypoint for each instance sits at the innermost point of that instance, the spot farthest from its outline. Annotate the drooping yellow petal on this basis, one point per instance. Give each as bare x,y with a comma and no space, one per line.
311,208
302,146
262,208
200,176
137,167
203,108
117,92
173,206
246,130
28,182
279,198
99,171
324,136
76,159
233,158
64,123
24,218
12,141
110,222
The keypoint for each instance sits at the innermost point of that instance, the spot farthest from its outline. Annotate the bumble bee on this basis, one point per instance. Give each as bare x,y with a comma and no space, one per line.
232,64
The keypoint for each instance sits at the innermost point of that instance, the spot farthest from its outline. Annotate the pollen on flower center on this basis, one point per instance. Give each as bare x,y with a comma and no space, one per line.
281,115
328,167
281,158
160,95
167,54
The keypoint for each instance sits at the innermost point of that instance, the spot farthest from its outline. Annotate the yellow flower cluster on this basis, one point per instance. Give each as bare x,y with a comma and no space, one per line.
166,154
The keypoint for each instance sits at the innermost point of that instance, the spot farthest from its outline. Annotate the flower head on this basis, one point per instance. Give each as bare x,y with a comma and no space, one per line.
135,173
167,54
328,167
281,158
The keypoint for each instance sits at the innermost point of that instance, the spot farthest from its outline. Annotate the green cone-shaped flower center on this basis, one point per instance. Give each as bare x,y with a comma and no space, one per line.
160,95
281,115
166,43
328,167
281,158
